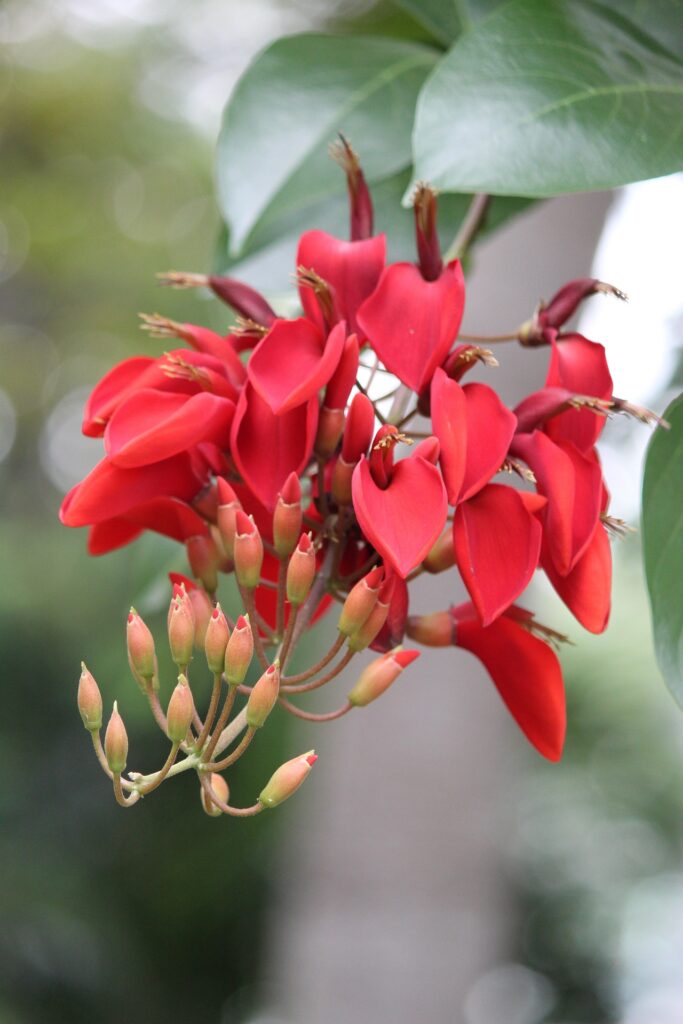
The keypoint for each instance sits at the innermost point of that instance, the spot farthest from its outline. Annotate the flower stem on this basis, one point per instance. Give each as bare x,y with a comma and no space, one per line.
211,713
303,676
470,227
317,683
310,716
220,766
221,723
236,812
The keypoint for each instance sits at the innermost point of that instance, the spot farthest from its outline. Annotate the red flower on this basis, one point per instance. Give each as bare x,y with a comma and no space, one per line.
294,361
400,507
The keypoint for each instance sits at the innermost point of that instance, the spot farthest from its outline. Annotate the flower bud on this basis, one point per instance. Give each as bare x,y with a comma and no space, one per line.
220,788
330,429
426,235
263,696
301,570
228,505
342,474
442,555
360,602
89,700
216,640
140,643
116,742
434,630
361,639
287,517
248,551
200,601
204,556
239,652
180,710
360,424
379,675
287,779
181,630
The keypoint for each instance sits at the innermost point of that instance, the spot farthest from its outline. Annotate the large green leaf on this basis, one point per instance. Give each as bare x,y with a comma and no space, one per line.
447,19
268,258
550,96
289,105
662,527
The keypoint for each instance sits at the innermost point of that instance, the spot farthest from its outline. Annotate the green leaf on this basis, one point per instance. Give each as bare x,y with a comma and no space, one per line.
291,103
662,526
545,97
447,19
267,261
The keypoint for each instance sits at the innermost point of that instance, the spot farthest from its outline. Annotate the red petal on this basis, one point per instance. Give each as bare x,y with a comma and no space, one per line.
497,546
110,390
267,448
404,520
449,422
168,516
152,425
490,429
572,483
110,535
580,366
412,323
352,269
109,491
293,361
205,340
527,675
587,589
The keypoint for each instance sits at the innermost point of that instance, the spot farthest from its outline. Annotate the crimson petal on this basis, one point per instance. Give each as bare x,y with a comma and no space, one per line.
497,546
586,590
412,323
490,429
153,425
580,366
352,269
403,520
449,422
293,361
108,392
526,673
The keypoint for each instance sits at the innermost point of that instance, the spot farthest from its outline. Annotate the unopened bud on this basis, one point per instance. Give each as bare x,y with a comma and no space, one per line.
379,675
342,475
228,505
330,429
344,377
426,235
358,432
301,570
287,779
89,700
220,788
216,640
200,601
116,742
287,517
204,556
180,710
360,602
263,696
248,551
442,555
239,652
181,630
434,630
140,643
363,637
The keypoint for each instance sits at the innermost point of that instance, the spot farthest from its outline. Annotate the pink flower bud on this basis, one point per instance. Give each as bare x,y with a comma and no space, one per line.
216,640
330,428
263,697
434,630
89,700
442,555
204,556
181,630
140,643
239,652
360,602
287,517
228,505
200,601
248,551
342,475
287,779
378,616
116,742
301,570
180,710
379,675
220,788
360,424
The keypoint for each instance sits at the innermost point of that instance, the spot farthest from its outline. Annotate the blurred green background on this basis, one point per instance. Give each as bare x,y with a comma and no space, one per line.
159,915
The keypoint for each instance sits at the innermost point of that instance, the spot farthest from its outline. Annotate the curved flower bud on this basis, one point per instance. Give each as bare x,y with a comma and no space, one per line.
287,517
180,711
116,742
379,675
140,644
360,602
89,700
222,791
181,629
216,640
287,779
248,551
263,696
239,652
301,570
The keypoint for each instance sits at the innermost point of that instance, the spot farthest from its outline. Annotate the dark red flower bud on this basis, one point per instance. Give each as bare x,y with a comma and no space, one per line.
360,200
427,238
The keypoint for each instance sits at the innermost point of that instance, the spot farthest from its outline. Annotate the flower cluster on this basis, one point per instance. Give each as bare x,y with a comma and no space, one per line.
264,454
